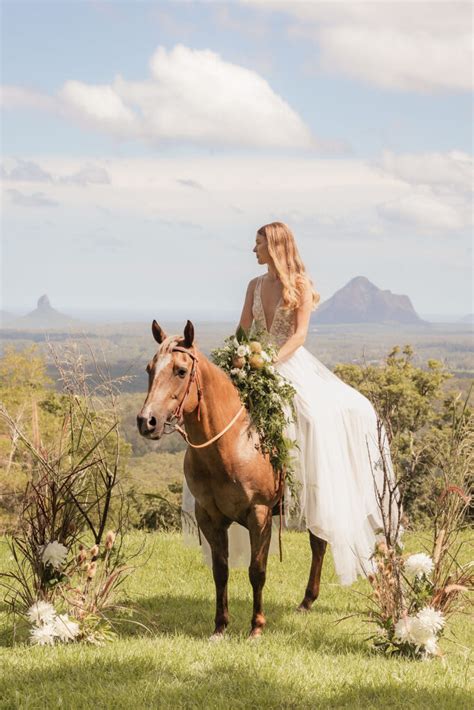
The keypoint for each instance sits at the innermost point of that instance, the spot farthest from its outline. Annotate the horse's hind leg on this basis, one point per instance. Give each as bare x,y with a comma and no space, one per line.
318,548
259,524
215,532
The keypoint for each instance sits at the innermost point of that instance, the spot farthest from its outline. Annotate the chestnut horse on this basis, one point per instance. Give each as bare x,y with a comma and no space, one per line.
229,478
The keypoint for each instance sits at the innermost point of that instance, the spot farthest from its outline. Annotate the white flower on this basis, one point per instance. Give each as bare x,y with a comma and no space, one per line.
418,565
403,629
54,554
431,619
42,635
420,635
265,356
235,371
242,375
243,350
431,647
271,369
41,613
65,628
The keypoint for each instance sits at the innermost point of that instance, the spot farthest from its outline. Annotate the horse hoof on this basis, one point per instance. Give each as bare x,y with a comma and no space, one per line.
303,608
255,635
216,638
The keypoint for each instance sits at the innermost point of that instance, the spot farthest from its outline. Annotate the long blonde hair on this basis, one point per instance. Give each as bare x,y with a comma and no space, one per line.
288,264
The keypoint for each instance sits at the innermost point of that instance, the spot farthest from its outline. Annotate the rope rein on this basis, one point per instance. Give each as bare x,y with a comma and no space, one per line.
214,438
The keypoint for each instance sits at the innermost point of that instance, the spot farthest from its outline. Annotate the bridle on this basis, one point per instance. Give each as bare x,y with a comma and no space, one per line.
176,418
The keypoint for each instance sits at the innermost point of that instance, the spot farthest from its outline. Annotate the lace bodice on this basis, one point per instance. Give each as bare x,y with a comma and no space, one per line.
283,325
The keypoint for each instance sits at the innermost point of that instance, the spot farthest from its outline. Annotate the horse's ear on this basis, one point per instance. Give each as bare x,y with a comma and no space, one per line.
158,333
188,334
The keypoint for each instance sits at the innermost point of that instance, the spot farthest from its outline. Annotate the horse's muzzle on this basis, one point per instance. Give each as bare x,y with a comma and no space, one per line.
149,426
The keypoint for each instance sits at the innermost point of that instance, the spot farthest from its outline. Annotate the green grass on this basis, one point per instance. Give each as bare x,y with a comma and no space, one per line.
302,661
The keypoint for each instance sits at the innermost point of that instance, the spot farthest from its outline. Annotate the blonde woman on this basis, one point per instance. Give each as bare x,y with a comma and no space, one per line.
336,426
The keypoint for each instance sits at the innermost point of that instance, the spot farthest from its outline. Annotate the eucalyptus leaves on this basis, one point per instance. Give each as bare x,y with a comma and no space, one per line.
248,359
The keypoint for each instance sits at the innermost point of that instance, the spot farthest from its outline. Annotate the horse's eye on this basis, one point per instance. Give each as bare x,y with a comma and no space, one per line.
182,372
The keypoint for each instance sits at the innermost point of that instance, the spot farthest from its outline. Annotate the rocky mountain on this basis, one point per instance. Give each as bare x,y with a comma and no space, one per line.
360,301
43,317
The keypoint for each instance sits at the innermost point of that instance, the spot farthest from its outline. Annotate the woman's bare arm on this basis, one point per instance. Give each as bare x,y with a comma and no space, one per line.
302,317
246,318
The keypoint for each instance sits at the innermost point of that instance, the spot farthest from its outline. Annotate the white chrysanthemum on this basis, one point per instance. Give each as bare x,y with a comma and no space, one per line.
418,565
243,350
41,613
54,554
431,618
65,628
42,635
420,635
431,646
403,629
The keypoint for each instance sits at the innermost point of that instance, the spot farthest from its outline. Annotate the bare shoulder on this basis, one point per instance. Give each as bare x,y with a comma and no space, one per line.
251,285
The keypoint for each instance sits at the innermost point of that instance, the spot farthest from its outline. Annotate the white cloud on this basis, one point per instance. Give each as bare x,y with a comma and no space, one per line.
425,211
340,200
37,199
439,187
90,174
452,169
28,171
192,95
25,171
20,97
100,107
410,46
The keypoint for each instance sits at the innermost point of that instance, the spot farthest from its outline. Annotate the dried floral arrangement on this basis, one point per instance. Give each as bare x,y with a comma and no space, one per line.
67,562
413,597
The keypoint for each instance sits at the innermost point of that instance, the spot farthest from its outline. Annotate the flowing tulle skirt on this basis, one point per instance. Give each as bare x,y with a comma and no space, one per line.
337,468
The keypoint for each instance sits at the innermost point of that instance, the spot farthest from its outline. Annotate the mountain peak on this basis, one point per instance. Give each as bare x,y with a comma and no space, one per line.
44,303
44,317
361,301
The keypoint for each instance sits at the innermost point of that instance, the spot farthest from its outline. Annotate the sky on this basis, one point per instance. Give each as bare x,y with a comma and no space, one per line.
144,143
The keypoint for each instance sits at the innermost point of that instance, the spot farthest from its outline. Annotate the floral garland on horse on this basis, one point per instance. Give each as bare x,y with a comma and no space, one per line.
248,358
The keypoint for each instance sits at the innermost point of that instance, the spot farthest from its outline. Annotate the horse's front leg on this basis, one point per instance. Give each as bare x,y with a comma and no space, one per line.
215,532
259,522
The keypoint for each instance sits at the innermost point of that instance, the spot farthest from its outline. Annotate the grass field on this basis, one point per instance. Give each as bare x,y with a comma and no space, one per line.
302,661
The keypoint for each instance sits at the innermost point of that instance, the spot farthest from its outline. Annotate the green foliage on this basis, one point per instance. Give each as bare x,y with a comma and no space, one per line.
416,410
161,512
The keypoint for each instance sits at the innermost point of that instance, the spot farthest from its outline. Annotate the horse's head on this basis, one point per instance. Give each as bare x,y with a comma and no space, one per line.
170,375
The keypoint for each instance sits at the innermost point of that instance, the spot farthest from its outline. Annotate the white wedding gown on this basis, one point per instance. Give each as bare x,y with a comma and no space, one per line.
335,464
